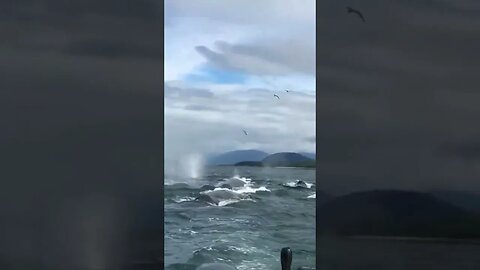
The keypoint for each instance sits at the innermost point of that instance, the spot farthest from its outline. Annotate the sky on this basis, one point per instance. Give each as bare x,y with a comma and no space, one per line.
398,104
223,63
80,146
81,114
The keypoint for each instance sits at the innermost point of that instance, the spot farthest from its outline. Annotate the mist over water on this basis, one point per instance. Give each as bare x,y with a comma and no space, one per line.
184,168
193,165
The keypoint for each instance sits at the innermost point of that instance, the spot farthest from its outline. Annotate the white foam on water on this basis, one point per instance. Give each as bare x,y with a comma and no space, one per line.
312,196
184,199
251,265
309,185
290,184
227,202
247,188
216,189
238,190
236,177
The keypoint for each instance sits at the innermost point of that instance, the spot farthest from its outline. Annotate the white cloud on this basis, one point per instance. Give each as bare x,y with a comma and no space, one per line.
216,123
281,57
285,29
184,34
272,42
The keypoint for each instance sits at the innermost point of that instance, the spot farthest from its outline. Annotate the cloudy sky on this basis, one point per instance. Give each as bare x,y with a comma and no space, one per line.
223,63
81,114
398,106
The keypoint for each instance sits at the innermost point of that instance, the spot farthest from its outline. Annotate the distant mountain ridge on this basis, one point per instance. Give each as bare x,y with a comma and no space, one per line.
236,156
466,200
260,158
285,159
396,213
309,155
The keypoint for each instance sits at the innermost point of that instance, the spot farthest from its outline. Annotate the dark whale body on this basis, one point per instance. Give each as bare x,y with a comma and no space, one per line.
298,184
301,184
207,187
233,183
216,196
226,186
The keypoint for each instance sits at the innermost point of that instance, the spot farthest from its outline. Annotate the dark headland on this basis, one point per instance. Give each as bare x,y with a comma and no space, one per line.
396,213
255,158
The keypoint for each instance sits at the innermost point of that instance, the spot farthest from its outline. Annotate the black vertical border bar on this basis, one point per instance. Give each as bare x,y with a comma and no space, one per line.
162,136
317,150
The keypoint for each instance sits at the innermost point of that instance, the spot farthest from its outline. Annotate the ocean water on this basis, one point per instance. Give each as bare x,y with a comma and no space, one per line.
248,222
388,254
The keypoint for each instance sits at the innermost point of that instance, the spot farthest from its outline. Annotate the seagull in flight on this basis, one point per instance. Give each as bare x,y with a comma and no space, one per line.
245,132
275,95
351,10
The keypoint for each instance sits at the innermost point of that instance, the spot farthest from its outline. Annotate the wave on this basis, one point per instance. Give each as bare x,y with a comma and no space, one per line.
179,186
228,202
243,190
245,180
241,185
312,196
232,190
187,183
298,184
184,199
222,252
169,182
228,191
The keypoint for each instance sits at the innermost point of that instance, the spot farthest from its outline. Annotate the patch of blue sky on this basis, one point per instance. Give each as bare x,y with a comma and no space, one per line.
215,75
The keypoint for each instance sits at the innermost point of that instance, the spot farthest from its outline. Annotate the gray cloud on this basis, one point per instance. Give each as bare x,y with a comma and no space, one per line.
274,49
272,125
198,107
311,139
186,93
273,57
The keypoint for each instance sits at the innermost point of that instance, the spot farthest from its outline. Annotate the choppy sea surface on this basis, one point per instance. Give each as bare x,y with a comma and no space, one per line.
240,216
383,253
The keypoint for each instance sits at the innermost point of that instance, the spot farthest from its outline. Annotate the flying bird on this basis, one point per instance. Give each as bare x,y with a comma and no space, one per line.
351,10
287,91
245,132
275,95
